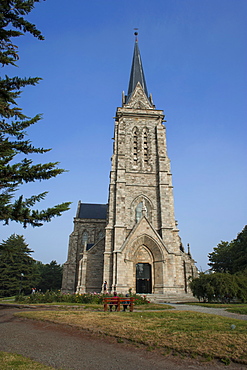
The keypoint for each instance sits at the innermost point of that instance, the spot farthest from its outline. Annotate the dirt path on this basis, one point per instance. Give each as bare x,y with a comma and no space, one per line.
66,348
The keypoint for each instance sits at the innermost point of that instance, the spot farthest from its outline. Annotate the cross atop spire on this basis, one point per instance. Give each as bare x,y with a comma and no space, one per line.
137,73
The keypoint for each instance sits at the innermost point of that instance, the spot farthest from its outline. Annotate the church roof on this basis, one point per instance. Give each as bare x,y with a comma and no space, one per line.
93,211
137,73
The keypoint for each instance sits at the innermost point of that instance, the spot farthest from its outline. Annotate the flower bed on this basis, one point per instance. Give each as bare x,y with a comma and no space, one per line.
53,297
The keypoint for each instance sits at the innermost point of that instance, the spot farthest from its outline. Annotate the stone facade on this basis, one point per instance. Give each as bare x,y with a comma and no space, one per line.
137,245
83,270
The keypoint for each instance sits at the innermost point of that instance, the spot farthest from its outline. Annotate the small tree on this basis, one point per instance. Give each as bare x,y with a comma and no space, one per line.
231,256
201,287
221,258
50,276
241,280
239,251
13,125
17,268
219,287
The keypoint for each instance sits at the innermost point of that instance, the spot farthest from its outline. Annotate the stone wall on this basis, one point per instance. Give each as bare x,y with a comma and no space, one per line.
94,228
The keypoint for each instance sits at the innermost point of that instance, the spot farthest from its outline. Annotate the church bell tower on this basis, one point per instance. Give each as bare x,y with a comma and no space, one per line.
143,251
132,243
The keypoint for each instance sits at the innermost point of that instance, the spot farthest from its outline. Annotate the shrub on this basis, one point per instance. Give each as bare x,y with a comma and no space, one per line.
52,297
220,287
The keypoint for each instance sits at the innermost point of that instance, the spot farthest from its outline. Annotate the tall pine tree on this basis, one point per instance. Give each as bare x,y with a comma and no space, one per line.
18,272
13,123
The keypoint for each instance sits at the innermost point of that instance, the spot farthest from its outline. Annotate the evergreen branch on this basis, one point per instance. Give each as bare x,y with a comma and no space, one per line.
23,172
14,123
20,211
16,128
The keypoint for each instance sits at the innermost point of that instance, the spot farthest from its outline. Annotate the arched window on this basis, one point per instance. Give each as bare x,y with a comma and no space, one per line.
135,145
139,211
145,149
145,146
84,238
142,209
100,235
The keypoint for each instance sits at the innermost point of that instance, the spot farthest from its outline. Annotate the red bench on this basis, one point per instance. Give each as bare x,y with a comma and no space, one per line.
117,301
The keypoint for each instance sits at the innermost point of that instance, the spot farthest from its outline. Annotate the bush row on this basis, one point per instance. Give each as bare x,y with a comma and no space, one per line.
53,297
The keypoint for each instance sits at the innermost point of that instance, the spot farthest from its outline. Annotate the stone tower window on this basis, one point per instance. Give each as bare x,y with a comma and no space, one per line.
135,145
141,206
84,238
139,211
100,235
145,146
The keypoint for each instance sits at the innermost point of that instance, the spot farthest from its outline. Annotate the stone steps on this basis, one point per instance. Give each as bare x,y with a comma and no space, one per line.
171,298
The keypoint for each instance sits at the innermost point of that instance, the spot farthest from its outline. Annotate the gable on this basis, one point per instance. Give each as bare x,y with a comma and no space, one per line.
138,99
144,234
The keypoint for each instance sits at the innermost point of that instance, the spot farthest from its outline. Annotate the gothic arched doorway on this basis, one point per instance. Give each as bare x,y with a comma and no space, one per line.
143,278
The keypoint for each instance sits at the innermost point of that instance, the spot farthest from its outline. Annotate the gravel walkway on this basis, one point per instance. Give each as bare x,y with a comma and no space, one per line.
67,348
214,311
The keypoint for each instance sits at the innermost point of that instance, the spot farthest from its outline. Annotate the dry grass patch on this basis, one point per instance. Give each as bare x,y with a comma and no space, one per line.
10,361
185,332
153,307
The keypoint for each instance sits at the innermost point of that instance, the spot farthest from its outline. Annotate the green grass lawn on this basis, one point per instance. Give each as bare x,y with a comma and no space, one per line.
7,299
240,309
12,361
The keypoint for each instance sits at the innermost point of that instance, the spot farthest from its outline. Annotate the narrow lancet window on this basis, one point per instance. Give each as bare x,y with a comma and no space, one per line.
145,147
135,148
84,238
139,211
100,235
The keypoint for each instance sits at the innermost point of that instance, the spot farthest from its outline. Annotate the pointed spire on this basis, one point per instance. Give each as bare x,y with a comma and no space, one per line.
137,73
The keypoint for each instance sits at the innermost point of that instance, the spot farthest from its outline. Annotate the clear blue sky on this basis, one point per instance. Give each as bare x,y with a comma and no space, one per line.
194,56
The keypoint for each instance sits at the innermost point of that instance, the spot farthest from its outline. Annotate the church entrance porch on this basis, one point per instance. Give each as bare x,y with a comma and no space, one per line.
143,278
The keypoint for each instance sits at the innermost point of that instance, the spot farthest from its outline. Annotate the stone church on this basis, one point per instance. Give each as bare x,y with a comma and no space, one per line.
133,241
